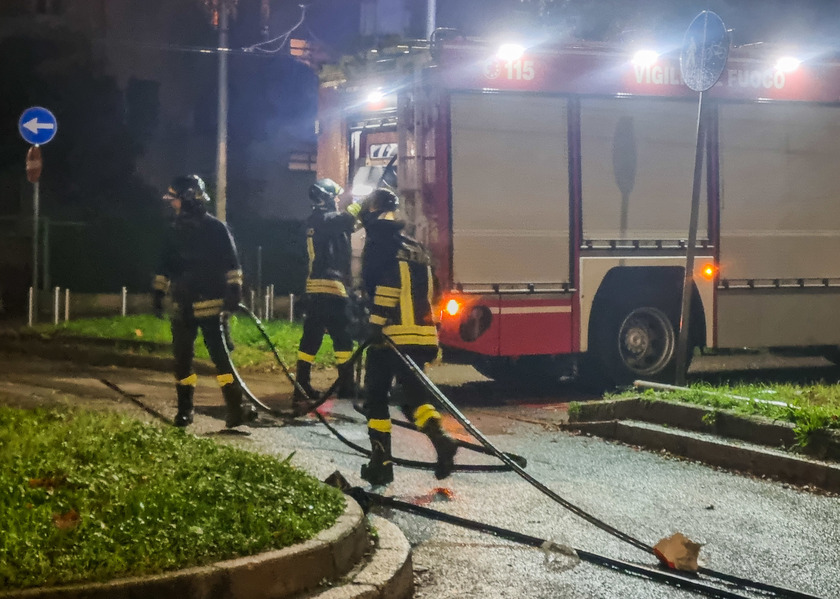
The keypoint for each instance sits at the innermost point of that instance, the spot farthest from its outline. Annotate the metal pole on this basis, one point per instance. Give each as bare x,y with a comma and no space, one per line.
688,284
271,292
66,305
221,143
33,316
56,304
45,255
124,300
259,271
291,307
431,18
267,299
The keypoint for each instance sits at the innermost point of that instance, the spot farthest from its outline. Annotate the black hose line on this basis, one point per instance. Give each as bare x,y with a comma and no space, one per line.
450,407
521,461
673,578
285,416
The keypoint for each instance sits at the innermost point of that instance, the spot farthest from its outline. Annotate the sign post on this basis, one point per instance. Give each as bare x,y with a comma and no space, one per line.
702,60
37,126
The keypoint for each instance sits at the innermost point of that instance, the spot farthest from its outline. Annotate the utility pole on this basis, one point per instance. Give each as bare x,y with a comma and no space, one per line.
431,18
222,133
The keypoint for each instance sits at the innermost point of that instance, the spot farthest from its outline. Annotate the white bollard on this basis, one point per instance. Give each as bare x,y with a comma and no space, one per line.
267,313
124,300
66,305
291,307
271,301
56,304
31,306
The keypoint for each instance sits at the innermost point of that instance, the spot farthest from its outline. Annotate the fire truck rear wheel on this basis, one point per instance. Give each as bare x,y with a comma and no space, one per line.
635,342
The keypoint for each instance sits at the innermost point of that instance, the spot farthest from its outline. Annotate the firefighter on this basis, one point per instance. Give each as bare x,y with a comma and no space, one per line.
200,268
398,280
327,310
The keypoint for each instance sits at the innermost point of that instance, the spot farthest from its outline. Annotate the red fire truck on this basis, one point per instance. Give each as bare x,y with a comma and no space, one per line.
554,191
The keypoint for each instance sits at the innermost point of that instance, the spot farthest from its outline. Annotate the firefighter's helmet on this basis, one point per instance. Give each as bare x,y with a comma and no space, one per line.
382,200
191,191
323,193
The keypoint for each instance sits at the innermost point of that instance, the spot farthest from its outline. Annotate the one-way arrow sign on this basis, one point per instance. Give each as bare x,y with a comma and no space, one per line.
37,125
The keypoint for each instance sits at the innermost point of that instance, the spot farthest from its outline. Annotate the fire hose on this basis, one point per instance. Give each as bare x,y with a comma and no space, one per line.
315,404
450,407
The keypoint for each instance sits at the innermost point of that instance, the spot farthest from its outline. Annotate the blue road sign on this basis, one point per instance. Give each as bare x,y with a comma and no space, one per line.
37,125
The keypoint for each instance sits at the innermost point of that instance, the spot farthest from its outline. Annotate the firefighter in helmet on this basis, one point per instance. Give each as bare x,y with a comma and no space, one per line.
328,232
398,280
199,268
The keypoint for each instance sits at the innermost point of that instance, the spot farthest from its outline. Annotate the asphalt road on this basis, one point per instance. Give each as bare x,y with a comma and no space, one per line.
757,529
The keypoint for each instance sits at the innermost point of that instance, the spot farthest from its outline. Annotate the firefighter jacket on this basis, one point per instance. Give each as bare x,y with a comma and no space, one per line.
398,279
328,247
199,266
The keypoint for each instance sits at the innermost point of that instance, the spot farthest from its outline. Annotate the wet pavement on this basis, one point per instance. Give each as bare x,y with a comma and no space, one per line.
753,528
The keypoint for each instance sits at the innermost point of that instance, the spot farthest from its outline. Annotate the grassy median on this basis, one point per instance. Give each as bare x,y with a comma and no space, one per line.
808,407
92,496
252,352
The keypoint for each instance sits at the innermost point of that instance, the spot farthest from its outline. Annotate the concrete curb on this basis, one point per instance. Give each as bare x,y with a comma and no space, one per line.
388,574
823,445
613,419
272,575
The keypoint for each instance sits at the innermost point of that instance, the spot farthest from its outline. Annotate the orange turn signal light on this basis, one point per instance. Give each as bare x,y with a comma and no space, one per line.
708,271
452,307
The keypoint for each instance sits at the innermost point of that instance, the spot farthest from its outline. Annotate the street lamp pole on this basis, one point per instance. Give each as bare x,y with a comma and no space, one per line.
222,133
431,18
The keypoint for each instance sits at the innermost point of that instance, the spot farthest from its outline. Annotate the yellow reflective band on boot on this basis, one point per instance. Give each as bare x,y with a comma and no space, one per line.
225,379
304,357
342,356
190,381
423,413
383,425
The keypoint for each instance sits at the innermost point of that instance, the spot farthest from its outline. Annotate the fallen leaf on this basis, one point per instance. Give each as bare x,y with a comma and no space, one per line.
67,520
138,332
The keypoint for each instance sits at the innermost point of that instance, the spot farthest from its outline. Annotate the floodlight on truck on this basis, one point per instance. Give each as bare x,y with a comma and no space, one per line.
788,64
510,52
645,58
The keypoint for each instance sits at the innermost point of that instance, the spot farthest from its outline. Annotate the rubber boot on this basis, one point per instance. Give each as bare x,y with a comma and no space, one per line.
302,403
346,381
185,413
444,445
238,411
380,469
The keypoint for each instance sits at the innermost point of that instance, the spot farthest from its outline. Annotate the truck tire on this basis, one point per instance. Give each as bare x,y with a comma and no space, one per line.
637,340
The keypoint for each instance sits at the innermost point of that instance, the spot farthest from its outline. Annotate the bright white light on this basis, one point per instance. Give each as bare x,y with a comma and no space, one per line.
645,58
375,96
787,64
362,190
510,52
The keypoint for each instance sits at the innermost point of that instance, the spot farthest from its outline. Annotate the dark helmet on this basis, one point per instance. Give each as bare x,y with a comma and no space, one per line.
382,200
323,193
377,203
192,192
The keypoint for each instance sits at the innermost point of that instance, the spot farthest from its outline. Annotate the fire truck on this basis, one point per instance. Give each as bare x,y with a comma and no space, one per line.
554,191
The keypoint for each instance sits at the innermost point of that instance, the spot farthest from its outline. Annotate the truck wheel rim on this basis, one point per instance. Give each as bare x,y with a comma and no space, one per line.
646,341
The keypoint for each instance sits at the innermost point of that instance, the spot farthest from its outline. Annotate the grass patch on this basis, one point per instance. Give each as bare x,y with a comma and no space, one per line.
92,496
810,408
252,352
